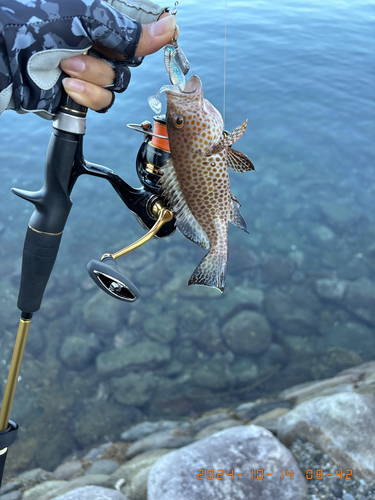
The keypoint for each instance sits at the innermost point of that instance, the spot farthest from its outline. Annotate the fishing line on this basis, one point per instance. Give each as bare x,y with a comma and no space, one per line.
225,55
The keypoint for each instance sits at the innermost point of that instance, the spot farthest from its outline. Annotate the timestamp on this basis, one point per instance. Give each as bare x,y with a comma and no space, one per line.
260,474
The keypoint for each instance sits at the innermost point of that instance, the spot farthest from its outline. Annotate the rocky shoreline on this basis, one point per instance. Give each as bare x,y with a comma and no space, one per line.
301,445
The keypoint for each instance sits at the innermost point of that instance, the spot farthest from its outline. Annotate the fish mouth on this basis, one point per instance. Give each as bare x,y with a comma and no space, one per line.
193,85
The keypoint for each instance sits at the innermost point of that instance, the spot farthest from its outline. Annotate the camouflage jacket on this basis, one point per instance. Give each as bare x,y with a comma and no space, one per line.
36,34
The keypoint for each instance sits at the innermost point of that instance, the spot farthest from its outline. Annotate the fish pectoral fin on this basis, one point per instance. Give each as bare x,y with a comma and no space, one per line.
211,271
186,223
235,216
238,161
227,140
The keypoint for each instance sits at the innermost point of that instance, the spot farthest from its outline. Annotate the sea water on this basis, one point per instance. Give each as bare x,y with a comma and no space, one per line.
302,73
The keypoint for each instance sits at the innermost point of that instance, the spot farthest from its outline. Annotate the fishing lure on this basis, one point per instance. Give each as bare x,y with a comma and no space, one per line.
177,66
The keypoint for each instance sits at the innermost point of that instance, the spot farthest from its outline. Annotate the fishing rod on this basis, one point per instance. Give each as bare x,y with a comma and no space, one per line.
64,164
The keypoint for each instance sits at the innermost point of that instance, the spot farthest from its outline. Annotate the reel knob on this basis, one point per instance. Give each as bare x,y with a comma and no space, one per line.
106,275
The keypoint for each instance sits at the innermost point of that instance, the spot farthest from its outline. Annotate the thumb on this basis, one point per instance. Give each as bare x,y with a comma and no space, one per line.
154,36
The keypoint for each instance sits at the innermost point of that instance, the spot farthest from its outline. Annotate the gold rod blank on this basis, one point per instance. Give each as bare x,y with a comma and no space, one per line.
14,371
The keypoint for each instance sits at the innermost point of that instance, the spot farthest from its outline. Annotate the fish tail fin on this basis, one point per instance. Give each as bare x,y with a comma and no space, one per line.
211,271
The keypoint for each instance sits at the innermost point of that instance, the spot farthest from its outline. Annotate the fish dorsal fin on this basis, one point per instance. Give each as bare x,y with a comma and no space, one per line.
238,161
235,216
227,140
187,224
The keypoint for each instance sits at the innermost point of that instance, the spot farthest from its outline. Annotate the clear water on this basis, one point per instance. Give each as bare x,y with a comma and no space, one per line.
302,72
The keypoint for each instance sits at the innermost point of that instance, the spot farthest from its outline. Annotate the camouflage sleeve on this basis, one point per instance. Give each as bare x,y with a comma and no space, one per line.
36,34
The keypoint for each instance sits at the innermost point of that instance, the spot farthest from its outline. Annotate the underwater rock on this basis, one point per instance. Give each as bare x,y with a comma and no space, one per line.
217,427
295,311
67,470
102,421
133,466
102,314
277,269
164,331
331,289
322,234
214,374
269,420
342,425
210,418
253,409
333,360
243,449
39,490
240,298
143,355
162,439
340,215
134,389
353,336
78,351
13,495
241,258
248,332
91,493
245,370
208,338
190,316
144,429
103,466
360,299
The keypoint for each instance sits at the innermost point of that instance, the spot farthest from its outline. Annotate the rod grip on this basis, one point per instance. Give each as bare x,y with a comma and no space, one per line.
39,255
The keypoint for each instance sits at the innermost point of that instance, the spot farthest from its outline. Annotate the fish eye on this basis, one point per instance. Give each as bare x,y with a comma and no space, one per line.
178,121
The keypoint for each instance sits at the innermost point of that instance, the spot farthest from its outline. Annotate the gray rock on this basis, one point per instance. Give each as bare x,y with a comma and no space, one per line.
97,453
352,336
347,496
209,419
103,466
248,332
102,314
13,495
253,409
342,425
12,486
91,493
243,449
37,474
332,289
134,388
68,469
162,439
360,299
340,214
295,312
245,370
133,466
136,489
214,374
143,355
144,429
93,426
270,419
163,331
78,351
217,427
38,491
277,269
89,480
323,234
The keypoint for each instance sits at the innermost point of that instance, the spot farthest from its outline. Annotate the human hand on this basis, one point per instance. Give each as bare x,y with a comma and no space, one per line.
36,37
90,74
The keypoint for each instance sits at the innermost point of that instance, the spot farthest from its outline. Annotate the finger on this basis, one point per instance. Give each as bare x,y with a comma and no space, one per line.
90,69
87,94
154,36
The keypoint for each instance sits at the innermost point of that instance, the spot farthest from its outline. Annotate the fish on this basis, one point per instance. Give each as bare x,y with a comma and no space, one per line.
195,181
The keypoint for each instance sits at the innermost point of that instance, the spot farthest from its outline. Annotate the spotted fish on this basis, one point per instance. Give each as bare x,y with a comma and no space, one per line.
196,181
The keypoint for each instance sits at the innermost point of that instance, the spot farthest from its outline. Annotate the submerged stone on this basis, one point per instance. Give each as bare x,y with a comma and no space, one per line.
360,299
214,374
91,493
143,429
143,355
277,269
134,388
162,439
248,332
78,351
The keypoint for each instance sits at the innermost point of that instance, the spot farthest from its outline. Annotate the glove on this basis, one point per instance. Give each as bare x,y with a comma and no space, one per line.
36,35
